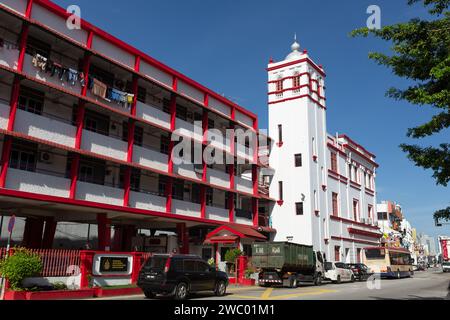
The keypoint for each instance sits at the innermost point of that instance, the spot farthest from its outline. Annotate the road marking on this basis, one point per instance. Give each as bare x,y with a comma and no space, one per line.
266,294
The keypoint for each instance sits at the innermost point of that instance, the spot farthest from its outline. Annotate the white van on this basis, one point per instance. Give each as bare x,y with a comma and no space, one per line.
338,272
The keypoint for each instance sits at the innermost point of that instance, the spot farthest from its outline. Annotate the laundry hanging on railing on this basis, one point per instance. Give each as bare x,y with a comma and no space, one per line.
72,76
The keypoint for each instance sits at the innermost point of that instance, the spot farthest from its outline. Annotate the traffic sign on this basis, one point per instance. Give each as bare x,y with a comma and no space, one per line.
12,222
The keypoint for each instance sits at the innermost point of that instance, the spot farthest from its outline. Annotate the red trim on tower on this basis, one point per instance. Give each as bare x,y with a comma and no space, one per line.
320,71
299,97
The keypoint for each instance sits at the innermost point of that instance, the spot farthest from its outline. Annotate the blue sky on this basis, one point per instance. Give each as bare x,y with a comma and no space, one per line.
226,45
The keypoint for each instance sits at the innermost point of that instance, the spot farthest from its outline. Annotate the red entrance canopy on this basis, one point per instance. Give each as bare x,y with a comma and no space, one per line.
235,232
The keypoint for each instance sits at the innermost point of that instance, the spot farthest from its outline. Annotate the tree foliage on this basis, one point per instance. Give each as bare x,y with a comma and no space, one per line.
19,266
421,54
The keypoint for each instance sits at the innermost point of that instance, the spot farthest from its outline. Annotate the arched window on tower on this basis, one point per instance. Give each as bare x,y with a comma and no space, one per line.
279,87
296,82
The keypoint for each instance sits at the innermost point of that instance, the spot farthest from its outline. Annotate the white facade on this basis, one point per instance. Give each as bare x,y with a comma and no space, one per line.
297,123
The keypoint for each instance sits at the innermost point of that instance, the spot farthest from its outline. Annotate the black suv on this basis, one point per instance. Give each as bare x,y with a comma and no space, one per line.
360,270
180,275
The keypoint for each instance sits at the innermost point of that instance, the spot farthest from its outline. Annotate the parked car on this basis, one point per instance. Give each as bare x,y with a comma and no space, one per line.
361,271
180,275
338,272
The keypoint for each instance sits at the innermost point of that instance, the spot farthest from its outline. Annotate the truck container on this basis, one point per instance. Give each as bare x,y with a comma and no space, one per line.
444,243
287,264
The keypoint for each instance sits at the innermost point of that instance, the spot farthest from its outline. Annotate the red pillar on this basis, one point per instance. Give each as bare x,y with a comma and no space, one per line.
6,152
104,232
32,235
255,180
173,114
49,233
87,260
231,207
136,268
242,266
255,212
183,237
205,123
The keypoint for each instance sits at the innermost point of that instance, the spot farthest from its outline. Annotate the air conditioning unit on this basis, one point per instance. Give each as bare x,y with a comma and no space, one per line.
45,157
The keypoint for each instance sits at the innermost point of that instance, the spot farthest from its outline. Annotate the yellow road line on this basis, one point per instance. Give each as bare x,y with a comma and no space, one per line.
296,295
266,294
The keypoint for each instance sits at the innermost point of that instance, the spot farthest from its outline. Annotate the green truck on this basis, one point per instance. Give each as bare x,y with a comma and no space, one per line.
287,264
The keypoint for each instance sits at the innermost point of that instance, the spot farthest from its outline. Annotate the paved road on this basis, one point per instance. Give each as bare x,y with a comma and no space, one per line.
432,284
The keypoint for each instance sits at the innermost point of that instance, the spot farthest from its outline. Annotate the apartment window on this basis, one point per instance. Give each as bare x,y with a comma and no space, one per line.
316,201
337,253
296,81
209,196
358,255
138,134
135,178
162,184
370,211
355,174
96,122
182,112
314,147
350,172
356,210
299,208
195,193
166,105
382,215
298,160
37,46
280,134
334,166
165,142
228,195
23,156
178,190
31,100
335,204
280,190
91,171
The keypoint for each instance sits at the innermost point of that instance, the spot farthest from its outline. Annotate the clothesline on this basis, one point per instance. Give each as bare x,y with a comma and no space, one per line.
73,76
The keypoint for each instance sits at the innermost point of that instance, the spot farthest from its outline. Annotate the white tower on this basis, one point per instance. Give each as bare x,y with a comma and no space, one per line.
297,123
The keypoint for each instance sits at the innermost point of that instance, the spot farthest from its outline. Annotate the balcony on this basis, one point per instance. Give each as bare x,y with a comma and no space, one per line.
37,73
147,201
115,105
244,217
219,141
104,145
188,170
188,129
219,214
39,183
186,208
150,158
4,115
244,152
100,194
9,58
153,115
45,128
244,184
218,178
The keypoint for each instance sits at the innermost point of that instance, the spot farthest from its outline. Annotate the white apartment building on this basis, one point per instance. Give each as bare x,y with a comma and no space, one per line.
324,184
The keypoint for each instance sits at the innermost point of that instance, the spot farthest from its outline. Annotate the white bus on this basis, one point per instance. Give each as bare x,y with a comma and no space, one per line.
389,262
